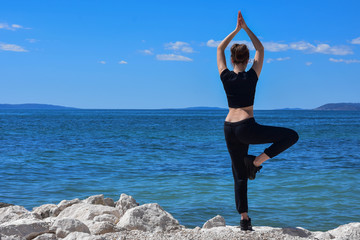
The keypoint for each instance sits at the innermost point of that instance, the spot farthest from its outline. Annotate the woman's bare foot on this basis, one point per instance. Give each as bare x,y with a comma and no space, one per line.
260,159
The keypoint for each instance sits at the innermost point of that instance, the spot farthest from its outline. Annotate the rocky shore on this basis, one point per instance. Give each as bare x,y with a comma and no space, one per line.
97,218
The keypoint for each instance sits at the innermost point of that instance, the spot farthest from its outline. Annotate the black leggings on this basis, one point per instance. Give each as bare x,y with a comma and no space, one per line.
238,136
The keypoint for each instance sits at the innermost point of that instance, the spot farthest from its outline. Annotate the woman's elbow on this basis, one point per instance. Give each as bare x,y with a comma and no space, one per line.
220,48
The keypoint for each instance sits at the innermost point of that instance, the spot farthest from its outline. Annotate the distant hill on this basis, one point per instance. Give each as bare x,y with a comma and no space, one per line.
340,107
32,106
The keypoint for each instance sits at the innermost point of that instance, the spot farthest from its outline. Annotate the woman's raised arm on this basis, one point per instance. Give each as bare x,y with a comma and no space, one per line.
221,61
259,55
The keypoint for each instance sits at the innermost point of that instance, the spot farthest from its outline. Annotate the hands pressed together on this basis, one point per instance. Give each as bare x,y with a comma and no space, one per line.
240,22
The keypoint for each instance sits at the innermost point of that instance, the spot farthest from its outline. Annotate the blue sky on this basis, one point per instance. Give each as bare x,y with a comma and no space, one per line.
162,54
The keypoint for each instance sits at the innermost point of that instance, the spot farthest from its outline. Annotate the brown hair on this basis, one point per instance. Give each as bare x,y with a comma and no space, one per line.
239,53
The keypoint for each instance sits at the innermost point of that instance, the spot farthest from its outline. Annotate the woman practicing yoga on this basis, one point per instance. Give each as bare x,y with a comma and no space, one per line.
240,127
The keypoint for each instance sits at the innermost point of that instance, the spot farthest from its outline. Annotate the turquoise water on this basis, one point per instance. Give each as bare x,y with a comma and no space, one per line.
178,158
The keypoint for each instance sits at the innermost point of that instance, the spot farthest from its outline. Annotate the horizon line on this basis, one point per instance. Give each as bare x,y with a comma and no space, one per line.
44,105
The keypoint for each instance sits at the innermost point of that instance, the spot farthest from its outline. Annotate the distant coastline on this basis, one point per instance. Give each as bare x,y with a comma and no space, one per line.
33,106
340,107
325,107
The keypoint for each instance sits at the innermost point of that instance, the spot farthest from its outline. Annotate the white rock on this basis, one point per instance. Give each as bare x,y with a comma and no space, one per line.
46,236
85,211
97,228
15,212
347,231
13,237
64,226
96,199
44,210
27,228
109,202
5,204
79,236
148,217
62,205
106,218
323,235
297,232
217,221
197,228
125,203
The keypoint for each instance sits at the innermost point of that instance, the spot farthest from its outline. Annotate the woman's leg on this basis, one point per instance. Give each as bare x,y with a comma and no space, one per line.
280,137
238,151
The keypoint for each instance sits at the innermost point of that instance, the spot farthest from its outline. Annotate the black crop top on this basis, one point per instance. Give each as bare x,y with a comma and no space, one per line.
239,88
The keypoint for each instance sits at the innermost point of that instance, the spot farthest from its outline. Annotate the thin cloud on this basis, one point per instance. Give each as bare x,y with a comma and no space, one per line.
172,57
187,49
347,61
102,62
16,26
275,47
356,41
5,26
335,50
122,62
299,46
277,59
179,46
11,27
213,43
308,63
31,40
308,48
12,47
147,52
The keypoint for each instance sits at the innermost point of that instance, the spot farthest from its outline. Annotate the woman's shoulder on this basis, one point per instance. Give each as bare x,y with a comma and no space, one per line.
251,72
224,73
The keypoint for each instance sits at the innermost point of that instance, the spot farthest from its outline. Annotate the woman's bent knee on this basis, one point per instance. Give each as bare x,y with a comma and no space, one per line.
294,136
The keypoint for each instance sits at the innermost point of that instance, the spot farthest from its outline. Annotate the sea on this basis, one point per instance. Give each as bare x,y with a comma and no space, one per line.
179,159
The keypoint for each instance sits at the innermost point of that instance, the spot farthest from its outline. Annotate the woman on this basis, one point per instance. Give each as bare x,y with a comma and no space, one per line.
240,127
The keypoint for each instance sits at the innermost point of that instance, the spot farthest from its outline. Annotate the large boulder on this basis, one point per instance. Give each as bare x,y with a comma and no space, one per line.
15,212
85,211
95,199
217,221
99,199
148,217
44,210
27,228
97,228
62,205
106,218
109,202
347,231
125,203
62,227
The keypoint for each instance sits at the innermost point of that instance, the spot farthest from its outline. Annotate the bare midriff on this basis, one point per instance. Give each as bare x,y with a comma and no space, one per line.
238,114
